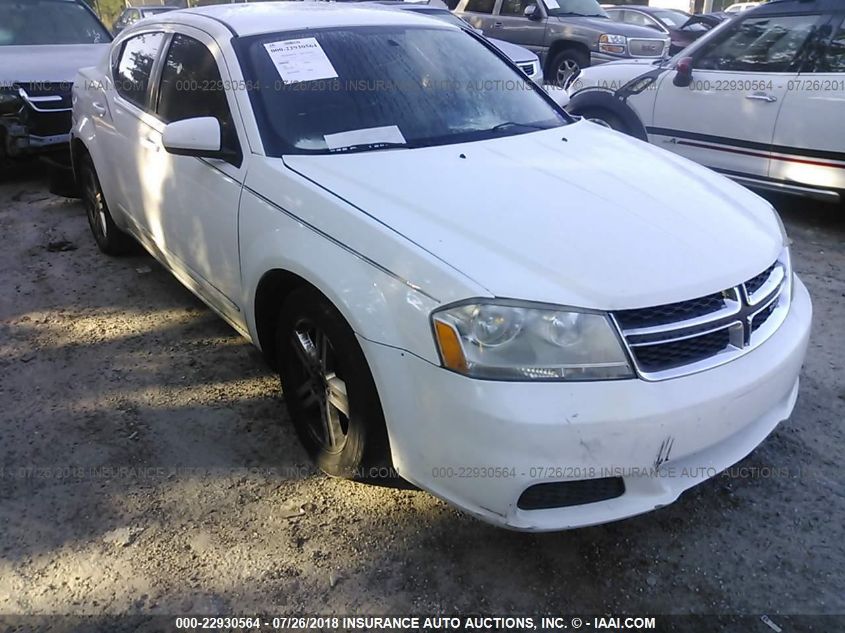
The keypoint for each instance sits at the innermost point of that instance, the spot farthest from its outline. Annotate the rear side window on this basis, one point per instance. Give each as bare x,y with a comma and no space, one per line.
191,86
766,44
134,67
480,6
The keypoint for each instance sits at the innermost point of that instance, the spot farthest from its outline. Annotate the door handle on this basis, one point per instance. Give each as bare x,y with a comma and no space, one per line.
497,25
758,96
98,108
150,143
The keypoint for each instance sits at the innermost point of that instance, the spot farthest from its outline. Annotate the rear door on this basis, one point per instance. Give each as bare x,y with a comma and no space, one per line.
479,13
123,121
809,142
725,118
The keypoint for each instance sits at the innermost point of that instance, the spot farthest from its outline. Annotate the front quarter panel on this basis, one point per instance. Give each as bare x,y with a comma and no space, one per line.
384,285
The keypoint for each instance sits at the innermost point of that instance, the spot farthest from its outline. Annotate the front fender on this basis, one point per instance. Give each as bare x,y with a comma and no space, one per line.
598,98
378,306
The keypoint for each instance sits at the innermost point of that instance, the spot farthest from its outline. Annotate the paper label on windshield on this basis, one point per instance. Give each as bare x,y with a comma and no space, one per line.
300,60
551,4
368,136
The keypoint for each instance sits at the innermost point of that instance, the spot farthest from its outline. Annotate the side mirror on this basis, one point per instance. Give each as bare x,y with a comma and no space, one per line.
683,72
532,12
558,94
194,137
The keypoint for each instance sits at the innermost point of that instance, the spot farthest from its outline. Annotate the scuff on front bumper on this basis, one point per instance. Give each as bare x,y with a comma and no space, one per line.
480,444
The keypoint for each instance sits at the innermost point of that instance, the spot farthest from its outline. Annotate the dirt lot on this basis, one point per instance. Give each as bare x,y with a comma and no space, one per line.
148,467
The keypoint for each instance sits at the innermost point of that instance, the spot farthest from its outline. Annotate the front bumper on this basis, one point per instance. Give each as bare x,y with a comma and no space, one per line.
602,58
479,444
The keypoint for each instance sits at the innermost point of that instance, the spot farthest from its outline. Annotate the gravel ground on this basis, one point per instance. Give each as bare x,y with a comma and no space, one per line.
148,467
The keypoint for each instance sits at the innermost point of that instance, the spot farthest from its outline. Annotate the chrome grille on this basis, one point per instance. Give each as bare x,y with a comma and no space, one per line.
681,338
646,47
47,96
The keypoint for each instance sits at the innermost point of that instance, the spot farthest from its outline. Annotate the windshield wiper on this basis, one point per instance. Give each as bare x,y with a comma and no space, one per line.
508,124
370,147
580,15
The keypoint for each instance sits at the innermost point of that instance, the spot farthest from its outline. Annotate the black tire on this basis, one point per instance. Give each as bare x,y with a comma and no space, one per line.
565,63
604,117
110,239
319,357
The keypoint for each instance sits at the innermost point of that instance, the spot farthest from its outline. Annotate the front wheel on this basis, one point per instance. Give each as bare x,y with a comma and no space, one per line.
328,388
566,64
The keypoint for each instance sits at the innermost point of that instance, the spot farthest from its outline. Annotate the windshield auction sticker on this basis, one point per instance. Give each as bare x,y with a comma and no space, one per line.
300,60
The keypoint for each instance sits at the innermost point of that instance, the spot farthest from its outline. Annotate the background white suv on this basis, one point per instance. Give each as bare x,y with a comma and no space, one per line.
761,98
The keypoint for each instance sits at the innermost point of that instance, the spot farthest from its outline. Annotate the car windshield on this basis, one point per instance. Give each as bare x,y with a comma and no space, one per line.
672,19
589,8
443,15
154,11
42,22
378,87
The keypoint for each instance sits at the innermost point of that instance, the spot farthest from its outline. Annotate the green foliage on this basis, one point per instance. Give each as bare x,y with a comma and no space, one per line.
108,10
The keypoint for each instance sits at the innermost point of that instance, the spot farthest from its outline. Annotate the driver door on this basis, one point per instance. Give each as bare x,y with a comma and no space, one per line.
512,26
725,119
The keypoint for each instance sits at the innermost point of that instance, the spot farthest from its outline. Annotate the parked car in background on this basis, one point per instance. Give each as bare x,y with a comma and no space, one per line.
527,61
43,43
572,351
739,7
567,35
759,99
682,28
130,15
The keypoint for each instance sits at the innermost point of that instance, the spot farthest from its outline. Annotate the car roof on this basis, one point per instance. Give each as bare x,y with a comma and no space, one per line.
256,18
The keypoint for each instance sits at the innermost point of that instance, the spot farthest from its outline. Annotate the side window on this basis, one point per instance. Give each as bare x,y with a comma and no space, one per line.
191,87
768,45
833,58
480,6
515,7
134,67
617,16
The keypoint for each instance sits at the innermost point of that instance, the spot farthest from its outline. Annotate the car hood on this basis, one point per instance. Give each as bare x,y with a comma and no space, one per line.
60,63
616,73
578,215
606,25
516,54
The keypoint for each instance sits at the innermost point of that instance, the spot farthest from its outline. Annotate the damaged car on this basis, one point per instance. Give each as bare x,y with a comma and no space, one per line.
573,351
42,45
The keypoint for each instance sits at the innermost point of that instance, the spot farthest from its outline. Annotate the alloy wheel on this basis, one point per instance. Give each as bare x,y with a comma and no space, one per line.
95,206
320,390
567,68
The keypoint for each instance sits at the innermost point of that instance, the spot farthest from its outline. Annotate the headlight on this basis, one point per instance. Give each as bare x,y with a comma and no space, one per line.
10,102
508,340
615,44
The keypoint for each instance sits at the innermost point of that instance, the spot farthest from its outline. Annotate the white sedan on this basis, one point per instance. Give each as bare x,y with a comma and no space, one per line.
760,98
543,322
